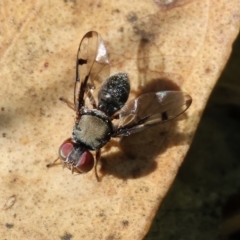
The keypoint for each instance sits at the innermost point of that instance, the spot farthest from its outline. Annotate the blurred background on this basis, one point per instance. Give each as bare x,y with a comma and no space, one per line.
204,200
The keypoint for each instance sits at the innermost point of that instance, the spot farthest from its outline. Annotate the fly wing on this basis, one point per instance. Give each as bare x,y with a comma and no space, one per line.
92,67
150,109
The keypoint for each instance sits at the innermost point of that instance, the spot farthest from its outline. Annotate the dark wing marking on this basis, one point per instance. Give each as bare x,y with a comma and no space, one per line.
150,109
92,67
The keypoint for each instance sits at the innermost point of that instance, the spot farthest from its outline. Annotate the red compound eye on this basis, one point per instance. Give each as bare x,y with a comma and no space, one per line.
86,162
65,149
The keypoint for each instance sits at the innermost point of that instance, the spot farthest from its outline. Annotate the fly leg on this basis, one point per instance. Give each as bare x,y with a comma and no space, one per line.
53,163
98,156
68,103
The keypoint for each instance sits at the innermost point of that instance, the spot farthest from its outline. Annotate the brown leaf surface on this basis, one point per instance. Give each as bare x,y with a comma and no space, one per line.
184,44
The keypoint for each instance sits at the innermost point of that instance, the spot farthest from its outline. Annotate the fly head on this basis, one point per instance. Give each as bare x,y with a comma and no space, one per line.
76,156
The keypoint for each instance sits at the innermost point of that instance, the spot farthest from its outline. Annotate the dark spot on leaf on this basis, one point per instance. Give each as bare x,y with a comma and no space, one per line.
125,223
143,31
116,11
66,236
132,17
207,70
9,225
73,1
110,237
121,29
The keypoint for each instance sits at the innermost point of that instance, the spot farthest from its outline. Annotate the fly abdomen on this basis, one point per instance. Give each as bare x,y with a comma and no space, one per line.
114,93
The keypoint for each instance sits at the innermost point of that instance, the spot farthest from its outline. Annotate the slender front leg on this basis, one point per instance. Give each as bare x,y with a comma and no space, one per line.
68,103
53,163
98,156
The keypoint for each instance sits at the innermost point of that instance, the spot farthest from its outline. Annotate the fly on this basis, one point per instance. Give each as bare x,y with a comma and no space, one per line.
100,99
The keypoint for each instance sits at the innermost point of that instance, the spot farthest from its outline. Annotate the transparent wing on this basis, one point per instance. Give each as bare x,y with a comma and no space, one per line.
92,67
150,109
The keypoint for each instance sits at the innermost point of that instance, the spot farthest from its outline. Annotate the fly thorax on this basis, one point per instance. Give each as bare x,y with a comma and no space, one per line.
93,129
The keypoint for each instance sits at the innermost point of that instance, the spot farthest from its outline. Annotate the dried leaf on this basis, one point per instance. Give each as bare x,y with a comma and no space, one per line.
162,45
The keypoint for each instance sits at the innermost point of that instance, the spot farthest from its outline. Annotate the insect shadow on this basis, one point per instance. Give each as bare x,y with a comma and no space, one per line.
136,154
